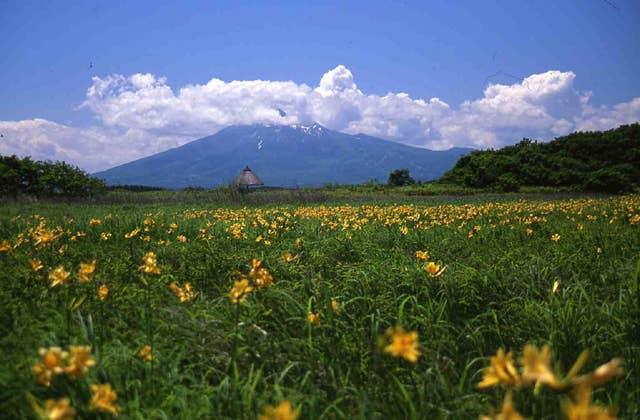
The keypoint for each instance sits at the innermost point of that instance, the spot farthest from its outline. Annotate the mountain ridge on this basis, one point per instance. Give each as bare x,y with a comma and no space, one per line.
282,155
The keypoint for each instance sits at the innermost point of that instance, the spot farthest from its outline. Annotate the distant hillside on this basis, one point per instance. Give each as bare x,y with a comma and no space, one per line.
606,161
282,156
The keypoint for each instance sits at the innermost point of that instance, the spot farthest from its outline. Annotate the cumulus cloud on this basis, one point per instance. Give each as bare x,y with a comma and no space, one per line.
93,148
145,114
536,107
604,117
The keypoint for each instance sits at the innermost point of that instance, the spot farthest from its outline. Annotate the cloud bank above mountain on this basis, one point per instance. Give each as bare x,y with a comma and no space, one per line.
142,114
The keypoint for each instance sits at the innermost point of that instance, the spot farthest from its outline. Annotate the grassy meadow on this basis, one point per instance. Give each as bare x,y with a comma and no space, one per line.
322,311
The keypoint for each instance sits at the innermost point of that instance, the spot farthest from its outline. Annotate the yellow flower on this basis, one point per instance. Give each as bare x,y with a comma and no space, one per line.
434,269
105,236
255,265
56,410
283,411
555,237
508,411
94,222
182,238
582,409
598,250
51,363
501,372
186,295
103,398
334,304
36,265
260,276
422,255
404,230
132,234
529,232
536,366
288,257
298,243
150,264
145,353
403,344
314,318
79,362
44,237
86,270
241,289
103,292
556,286
263,278
58,276
5,246
602,374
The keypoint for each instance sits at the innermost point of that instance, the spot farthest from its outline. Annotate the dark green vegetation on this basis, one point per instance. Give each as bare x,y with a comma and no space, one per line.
400,177
134,188
591,161
283,156
20,177
214,359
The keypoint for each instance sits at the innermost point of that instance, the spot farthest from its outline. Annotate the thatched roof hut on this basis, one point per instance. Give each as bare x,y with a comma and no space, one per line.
247,179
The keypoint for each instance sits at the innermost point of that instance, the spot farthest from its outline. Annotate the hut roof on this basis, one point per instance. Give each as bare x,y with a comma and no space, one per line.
247,177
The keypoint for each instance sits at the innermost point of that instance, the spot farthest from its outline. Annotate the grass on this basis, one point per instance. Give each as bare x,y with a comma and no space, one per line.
215,359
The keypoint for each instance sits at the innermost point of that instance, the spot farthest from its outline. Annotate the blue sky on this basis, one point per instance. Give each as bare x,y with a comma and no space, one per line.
452,51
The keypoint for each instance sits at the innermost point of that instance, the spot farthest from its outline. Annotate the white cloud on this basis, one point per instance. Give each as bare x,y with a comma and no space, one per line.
604,117
535,108
335,81
142,114
148,103
92,148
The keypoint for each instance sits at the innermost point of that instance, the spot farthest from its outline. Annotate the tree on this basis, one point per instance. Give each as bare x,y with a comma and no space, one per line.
42,179
606,161
400,177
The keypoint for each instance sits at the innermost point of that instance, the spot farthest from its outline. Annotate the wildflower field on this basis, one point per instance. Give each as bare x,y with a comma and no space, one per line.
461,310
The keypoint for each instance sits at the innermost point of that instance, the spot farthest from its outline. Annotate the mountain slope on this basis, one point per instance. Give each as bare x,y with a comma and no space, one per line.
282,156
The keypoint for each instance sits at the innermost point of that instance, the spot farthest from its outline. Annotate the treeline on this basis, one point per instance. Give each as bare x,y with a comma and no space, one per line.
26,177
134,188
597,161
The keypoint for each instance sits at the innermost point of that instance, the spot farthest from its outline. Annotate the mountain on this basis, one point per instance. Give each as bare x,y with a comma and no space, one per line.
298,155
